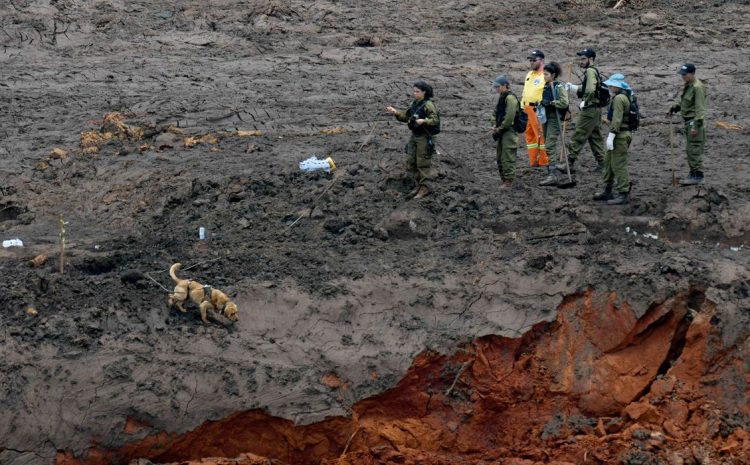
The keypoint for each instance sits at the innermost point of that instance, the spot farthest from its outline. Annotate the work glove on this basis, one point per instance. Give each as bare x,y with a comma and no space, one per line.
496,136
611,141
570,86
674,108
581,105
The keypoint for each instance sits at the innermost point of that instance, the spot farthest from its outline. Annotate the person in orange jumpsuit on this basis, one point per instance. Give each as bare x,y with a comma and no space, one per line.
533,88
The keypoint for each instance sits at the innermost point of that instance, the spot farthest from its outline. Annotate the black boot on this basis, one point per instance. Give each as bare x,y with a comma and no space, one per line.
695,178
620,199
606,194
551,179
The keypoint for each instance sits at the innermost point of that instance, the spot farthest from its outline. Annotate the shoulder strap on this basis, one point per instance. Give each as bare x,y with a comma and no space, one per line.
424,102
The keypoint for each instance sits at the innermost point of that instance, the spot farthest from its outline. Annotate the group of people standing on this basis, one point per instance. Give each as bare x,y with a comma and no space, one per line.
544,107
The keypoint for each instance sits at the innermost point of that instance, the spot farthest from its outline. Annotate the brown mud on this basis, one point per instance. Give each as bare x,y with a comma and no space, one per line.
473,326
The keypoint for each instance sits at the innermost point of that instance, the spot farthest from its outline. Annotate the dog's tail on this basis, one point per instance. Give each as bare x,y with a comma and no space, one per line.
172,270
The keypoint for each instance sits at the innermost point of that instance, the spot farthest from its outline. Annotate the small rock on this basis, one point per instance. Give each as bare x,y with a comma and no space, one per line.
642,411
649,18
380,233
332,380
337,226
167,140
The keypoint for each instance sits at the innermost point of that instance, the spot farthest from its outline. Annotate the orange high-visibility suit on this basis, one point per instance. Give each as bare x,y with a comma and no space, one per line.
533,88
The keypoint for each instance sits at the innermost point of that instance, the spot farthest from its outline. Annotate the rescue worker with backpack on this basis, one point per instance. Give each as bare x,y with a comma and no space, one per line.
508,120
424,122
555,104
588,124
692,106
622,118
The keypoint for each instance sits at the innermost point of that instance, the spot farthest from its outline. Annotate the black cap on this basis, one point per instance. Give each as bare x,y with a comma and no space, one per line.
536,54
587,52
687,68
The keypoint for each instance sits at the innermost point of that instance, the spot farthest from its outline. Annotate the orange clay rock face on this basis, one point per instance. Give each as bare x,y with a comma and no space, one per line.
596,386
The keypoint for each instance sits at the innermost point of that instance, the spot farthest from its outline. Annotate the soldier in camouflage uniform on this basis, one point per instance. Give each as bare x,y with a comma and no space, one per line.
503,132
618,142
589,121
420,116
692,106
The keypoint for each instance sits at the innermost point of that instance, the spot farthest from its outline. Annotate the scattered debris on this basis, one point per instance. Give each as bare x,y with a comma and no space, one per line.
38,261
55,154
13,243
729,126
192,141
332,131
314,164
112,127
31,311
58,153
256,133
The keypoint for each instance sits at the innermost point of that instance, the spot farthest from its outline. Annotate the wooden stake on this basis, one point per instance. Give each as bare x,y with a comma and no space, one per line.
62,245
565,122
671,150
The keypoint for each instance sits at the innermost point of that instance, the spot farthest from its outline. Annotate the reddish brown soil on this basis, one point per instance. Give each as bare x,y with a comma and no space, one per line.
473,326
598,385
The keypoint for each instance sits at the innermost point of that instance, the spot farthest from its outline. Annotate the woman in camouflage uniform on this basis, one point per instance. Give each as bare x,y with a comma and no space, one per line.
422,118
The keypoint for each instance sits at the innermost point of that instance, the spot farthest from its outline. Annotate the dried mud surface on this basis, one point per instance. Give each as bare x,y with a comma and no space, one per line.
473,326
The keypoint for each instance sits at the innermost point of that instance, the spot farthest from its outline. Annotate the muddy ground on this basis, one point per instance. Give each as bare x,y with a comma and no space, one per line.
367,278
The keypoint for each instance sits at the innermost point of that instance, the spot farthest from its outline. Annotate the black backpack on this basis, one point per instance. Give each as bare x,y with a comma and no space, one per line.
634,114
602,91
520,120
434,130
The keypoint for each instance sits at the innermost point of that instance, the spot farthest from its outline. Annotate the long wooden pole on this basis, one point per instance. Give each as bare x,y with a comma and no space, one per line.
565,122
62,245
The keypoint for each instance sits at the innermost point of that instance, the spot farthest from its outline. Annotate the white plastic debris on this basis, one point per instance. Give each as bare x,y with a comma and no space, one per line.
13,243
627,229
735,249
650,236
314,164
202,233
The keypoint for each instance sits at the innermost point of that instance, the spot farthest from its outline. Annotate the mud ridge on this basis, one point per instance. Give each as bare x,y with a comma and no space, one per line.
481,401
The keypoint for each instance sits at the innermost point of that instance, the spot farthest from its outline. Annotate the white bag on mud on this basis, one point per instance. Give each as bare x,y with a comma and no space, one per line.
313,164
13,243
